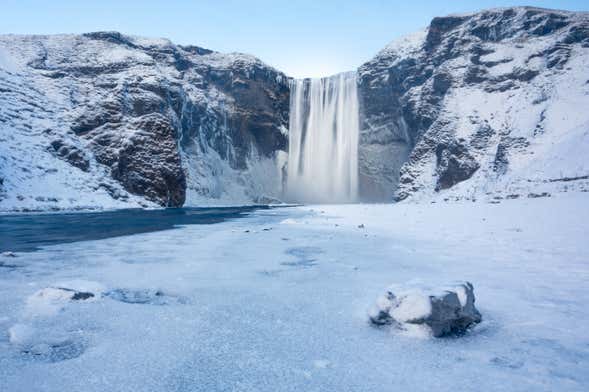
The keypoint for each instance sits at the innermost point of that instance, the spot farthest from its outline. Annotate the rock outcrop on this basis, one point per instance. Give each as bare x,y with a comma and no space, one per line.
136,121
477,104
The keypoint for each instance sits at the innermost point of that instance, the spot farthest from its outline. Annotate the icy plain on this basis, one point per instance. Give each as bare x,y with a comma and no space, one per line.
278,301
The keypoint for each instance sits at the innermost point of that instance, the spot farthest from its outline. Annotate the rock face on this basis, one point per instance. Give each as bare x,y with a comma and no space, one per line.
135,121
486,103
444,312
454,164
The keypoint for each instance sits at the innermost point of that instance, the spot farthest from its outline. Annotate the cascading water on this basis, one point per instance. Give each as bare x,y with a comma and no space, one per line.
323,140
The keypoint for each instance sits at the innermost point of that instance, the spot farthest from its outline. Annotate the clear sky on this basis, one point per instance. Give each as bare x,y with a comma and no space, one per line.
302,38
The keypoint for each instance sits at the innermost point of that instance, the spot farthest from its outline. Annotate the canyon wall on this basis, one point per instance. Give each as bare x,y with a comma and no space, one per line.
104,119
486,105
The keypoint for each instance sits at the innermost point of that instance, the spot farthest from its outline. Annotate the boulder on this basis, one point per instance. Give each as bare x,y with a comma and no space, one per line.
443,312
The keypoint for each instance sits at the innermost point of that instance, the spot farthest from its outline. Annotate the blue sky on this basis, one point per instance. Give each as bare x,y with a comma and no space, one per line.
301,38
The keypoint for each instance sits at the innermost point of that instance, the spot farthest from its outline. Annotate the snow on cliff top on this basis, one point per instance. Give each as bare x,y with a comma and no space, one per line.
517,8
17,50
406,45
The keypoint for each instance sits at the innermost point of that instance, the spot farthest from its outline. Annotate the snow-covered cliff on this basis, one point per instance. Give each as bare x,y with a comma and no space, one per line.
108,120
486,105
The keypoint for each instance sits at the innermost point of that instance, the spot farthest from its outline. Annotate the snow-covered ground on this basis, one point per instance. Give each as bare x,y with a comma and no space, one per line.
278,301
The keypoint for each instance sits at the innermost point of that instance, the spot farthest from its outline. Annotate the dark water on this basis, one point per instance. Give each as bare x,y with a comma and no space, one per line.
26,232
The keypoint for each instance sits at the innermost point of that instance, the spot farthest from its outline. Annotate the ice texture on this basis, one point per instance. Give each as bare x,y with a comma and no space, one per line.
242,312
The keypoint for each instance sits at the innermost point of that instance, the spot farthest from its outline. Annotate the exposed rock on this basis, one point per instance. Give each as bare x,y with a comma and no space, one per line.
567,179
77,295
420,95
444,312
501,161
166,122
536,195
71,154
265,200
454,164
146,162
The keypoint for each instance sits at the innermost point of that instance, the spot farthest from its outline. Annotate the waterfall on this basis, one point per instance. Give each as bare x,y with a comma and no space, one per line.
323,140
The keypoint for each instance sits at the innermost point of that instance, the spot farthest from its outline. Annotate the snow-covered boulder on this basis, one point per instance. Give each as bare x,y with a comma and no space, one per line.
51,300
443,312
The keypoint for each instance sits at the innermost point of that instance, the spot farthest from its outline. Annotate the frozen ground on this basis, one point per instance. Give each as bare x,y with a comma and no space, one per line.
278,301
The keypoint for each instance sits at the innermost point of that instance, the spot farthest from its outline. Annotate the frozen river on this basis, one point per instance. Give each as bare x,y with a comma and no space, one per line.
26,232
277,301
